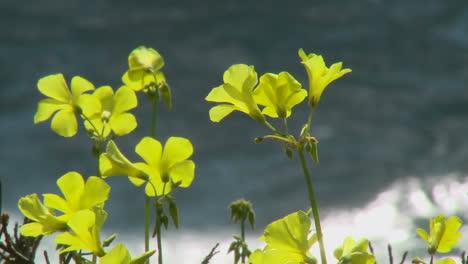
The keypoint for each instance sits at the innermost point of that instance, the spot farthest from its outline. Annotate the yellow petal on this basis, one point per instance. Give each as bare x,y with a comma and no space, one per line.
123,124
176,149
46,108
124,100
118,255
79,85
72,185
150,150
56,202
105,94
64,123
183,172
54,86
219,112
89,104
32,229
95,191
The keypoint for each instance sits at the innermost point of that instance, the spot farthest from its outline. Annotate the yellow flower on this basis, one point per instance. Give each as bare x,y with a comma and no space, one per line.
354,252
144,82
443,233
239,82
85,231
142,60
65,104
287,241
162,167
44,221
77,194
113,162
165,166
113,115
279,94
320,76
120,255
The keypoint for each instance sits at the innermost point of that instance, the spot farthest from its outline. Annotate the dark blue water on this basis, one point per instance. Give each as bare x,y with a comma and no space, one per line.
402,112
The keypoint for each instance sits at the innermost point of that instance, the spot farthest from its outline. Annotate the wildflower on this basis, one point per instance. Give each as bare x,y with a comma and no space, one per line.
85,228
166,166
443,233
287,241
65,104
77,194
120,255
113,115
320,76
113,162
143,60
239,81
163,167
354,252
44,220
279,93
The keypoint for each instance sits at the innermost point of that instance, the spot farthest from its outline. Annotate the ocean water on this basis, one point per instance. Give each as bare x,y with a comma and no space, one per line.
392,134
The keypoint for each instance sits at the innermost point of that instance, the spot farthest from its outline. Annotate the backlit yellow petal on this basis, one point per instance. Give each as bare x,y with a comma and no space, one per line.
123,124
219,112
46,108
118,255
54,86
95,191
64,123
183,172
124,100
176,149
72,185
89,104
56,202
79,85
105,95
150,150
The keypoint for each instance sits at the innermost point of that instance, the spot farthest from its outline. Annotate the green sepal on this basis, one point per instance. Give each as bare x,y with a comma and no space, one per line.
289,152
165,94
314,151
108,241
258,140
173,211
165,221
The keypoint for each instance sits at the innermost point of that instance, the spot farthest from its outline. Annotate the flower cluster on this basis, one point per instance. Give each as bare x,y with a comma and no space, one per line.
78,216
278,93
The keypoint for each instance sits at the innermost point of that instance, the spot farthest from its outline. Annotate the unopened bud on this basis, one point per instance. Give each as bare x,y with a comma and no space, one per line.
105,116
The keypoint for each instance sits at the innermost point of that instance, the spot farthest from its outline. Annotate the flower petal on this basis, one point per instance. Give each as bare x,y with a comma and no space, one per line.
105,94
46,108
79,85
219,112
89,104
150,150
124,100
123,124
176,149
72,185
95,191
183,172
56,202
118,255
54,86
64,123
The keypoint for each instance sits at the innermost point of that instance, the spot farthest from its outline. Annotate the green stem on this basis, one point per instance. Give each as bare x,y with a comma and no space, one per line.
243,239
273,128
313,204
155,111
158,236
94,259
432,259
147,221
285,122
309,120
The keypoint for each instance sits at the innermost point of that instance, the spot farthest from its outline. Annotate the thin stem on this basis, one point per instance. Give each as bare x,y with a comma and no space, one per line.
285,122
243,239
94,259
147,221
432,259
158,236
313,204
309,119
273,128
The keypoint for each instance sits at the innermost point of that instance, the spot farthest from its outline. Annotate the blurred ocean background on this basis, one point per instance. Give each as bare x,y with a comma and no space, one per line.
393,133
